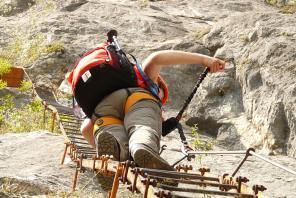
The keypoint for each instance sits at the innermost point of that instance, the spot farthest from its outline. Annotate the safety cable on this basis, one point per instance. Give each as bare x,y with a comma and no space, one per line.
188,100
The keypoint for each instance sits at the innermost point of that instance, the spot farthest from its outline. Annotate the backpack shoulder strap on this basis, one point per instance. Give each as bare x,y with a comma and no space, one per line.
152,86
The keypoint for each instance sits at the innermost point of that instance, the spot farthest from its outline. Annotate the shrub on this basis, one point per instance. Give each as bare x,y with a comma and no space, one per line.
3,84
5,66
36,47
29,117
55,46
202,32
25,86
198,143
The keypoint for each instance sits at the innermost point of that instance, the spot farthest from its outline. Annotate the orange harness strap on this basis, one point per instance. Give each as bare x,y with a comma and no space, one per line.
106,120
131,100
136,97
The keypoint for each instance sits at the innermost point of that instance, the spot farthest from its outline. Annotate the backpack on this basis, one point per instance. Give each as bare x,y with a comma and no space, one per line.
93,76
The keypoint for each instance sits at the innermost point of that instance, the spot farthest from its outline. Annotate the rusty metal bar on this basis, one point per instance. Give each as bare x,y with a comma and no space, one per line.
175,174
79,153
53,120
125,171
185,168
82,146
70,120
44,115
73,133
82,149
76,175
183,181
71,126
217,152
88,154
243,161
211,192
76,142
178,161
79,138
72,130
65,152
115,185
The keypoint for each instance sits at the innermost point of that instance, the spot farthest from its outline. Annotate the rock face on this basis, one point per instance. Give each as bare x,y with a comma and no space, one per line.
258,100
252,103
30,167
12,7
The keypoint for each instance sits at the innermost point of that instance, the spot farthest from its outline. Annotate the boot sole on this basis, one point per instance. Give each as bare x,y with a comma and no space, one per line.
147,159
107,145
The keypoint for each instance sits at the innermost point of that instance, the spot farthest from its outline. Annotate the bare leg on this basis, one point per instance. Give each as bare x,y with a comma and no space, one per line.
87,131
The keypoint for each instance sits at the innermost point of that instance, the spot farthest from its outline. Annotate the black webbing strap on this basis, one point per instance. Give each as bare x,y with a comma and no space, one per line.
187,102
174,122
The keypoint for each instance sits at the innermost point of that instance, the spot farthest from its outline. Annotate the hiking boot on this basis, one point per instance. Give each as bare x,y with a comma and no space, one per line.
107,145
146,158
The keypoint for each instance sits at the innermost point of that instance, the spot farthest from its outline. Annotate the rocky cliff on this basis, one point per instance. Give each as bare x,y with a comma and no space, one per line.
252,103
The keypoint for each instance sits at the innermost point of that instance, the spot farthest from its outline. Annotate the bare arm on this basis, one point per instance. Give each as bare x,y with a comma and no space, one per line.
153,64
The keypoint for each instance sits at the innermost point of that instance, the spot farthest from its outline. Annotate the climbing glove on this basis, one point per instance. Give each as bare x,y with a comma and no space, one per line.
169,125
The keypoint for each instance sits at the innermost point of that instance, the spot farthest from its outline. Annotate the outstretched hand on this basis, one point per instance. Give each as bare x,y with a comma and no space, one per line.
215,64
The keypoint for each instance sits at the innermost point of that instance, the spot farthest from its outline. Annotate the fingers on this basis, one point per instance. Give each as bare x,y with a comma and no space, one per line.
221,65
217,65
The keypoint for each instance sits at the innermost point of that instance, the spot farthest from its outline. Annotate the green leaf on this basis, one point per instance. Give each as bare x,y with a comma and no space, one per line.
5,66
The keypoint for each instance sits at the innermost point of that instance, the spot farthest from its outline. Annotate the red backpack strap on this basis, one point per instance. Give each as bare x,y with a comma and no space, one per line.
162,84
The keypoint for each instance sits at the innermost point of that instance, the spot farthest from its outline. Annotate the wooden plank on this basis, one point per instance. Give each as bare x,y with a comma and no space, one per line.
14,78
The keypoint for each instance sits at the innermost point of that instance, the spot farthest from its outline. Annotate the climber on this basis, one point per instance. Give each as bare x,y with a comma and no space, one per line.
137,130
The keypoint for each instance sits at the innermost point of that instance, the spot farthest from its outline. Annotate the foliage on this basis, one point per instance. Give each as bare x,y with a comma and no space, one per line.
6,105
27,117
13,50
24,51
198,143
271,2
3,84
5,66
20,188
55,46
244,38
202,32
287,9
76,194
25,86
45,5
36,47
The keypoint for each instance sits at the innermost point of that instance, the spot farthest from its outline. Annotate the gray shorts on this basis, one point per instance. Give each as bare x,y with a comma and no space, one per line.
141,123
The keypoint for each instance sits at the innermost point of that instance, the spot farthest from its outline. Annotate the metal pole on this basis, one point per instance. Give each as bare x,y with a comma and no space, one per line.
216,152
243,161
273,163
